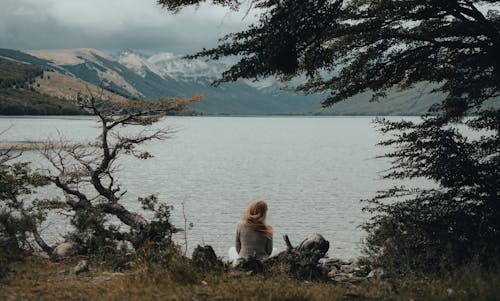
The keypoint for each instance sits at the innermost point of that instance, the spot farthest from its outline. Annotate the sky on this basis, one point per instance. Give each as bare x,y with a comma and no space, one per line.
114,25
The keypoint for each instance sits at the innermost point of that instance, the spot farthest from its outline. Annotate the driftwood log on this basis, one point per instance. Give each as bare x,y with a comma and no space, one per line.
301,262
314,247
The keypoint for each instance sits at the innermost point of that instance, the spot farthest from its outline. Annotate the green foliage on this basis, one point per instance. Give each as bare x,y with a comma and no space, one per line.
19,218
91,234
18,74
95,235
453,224
351,47
161,229
27,102
93,196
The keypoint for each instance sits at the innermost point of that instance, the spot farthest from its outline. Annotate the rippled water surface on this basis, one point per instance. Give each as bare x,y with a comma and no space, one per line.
312,171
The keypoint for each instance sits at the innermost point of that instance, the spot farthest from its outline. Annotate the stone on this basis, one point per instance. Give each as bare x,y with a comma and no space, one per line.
64,249
82,266
330,263
332,273
375,273
450,292
250,264
315,243
342,277
362,270
126,246
380,273
205,258
347,268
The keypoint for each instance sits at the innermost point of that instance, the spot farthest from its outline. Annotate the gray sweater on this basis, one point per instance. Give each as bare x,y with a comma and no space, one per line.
252,243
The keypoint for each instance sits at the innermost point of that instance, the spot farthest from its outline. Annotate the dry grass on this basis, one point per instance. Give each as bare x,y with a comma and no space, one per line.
43,280
66,87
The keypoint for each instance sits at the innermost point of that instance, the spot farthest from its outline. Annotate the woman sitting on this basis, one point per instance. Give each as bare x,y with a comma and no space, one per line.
254,238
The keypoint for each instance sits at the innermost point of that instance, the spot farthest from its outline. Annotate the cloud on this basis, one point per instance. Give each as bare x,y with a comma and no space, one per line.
113,25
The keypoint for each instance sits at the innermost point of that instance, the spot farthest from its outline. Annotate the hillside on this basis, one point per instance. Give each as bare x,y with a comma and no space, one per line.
66,87
19,97
14,73
137,76
27,102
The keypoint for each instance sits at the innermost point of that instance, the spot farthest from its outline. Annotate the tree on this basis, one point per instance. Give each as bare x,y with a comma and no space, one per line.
86,174
349,47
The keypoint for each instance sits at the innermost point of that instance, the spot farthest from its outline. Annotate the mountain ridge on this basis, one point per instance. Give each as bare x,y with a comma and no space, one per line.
138,76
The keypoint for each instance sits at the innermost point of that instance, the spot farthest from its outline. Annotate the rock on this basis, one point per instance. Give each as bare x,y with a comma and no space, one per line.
362,271
347,268
315,243
342,277
380,273
125,246
64,249
250,264
205,258
450,292
330,263
82,266
376,273
332,273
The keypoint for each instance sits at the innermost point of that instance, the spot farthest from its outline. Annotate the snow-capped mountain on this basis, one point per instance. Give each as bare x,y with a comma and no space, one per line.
186,69
174,66
138,63
171,66
139,76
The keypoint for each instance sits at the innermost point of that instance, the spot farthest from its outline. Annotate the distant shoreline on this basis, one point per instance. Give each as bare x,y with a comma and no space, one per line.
80,117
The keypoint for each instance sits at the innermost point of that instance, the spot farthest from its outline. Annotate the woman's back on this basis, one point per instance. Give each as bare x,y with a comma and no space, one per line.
252,243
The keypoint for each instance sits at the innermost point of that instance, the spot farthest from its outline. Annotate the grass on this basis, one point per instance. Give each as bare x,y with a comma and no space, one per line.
27,102
16,71
37,279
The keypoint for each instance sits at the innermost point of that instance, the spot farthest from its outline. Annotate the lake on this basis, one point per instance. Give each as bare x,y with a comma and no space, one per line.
312,171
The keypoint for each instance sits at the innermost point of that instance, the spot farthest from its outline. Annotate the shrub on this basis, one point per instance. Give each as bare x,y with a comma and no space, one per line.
458,221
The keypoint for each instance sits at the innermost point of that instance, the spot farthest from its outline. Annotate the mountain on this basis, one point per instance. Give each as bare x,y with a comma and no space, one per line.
18,95
138,76
267,97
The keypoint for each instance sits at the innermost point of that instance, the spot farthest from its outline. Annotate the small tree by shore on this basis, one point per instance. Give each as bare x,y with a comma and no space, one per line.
86,174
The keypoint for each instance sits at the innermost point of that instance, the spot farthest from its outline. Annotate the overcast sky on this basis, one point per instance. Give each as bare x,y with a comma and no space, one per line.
113,25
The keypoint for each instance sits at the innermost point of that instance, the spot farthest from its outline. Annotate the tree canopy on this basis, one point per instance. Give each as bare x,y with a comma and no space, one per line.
348,47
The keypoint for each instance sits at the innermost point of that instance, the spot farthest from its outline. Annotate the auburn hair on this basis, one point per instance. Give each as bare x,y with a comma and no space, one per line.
255,218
